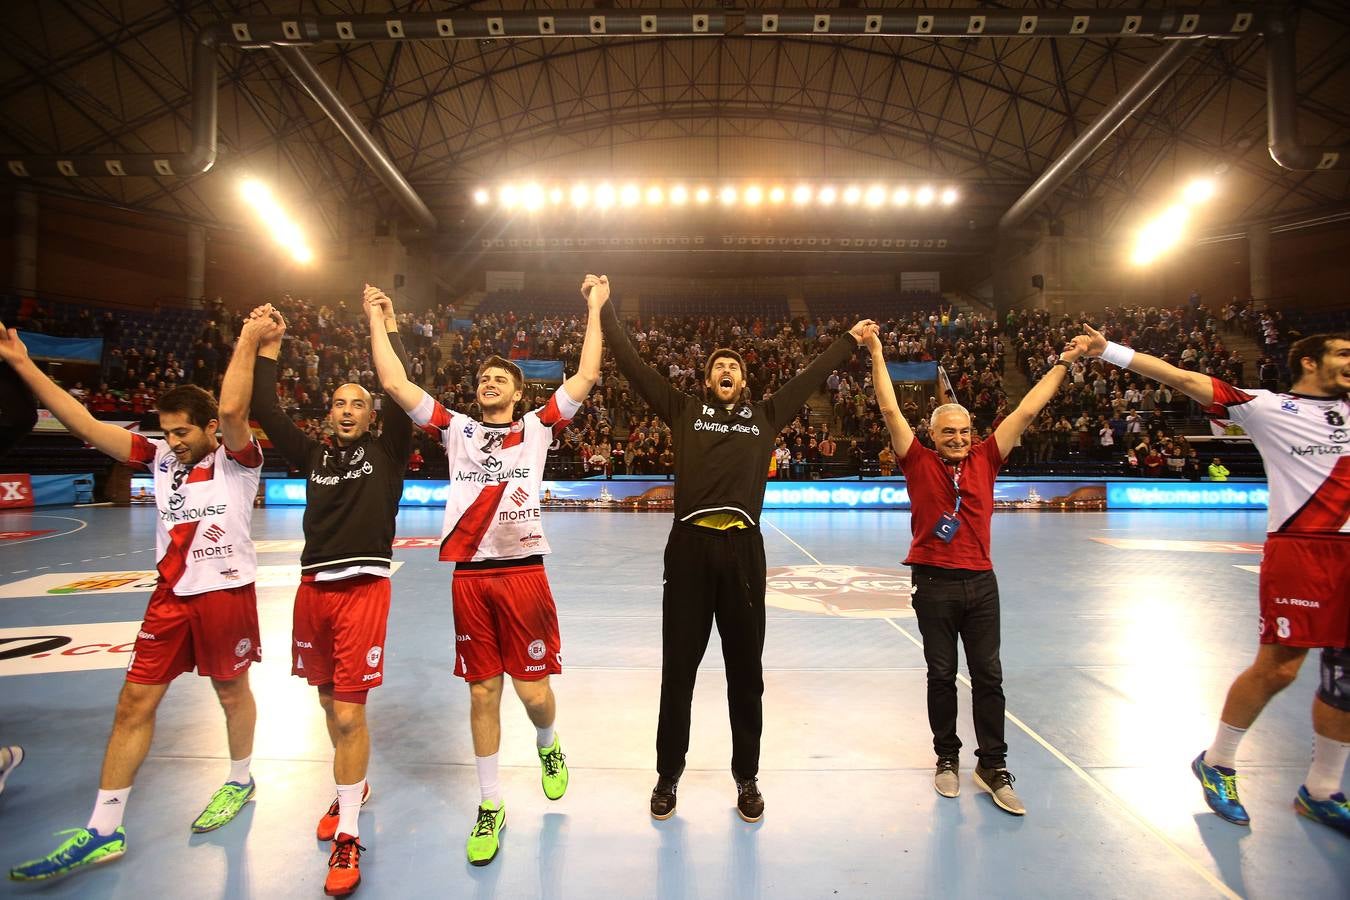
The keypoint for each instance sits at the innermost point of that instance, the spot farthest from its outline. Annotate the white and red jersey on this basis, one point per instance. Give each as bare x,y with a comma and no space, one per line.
203,541
1305,444
492,511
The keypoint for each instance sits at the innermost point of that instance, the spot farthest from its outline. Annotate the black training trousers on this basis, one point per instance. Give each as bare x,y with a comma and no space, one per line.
952,604
712,575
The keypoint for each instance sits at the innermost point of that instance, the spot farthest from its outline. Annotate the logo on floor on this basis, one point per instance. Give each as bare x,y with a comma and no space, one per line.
44,649
133,582
858,592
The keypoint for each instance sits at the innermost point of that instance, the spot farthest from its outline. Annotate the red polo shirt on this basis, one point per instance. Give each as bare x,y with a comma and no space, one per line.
931,494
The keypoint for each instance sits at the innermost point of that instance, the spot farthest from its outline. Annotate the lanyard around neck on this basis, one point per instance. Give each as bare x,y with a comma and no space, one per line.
956,485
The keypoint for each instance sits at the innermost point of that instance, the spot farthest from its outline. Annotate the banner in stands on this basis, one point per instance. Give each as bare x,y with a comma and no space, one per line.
85,350
540,369
912,371
1187,495
20,491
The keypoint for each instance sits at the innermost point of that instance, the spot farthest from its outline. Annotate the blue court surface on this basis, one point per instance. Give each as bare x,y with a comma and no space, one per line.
1121,632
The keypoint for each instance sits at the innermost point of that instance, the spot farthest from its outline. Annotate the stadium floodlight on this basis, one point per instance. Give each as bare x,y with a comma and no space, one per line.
678,195
1160,235
283,230
801,194
655,196
727,195
924,196
508,196
827,196
1199,191
702,196
481,197
876,195
777,194
630,195
900,197
753,195
948,196
852,194
532,197
604,196
555,196
581,195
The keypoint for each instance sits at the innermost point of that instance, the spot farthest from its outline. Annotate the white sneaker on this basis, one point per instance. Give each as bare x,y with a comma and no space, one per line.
13,756
947,779
998,782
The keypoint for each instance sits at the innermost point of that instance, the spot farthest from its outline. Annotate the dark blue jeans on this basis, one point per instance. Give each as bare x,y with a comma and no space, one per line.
954,604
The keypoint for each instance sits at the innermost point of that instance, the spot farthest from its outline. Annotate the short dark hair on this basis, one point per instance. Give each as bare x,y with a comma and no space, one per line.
198,404
1314,346
497,362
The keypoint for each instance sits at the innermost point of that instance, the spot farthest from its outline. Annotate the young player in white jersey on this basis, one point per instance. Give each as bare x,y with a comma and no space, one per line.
505,618
202,613
1304,440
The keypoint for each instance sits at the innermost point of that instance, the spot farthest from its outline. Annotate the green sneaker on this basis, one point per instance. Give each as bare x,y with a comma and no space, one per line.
484,838
83,848
224,806
554,764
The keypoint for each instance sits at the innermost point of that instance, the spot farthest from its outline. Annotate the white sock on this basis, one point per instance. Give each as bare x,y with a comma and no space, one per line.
488,786
108,811
544,736
1328,762
239,770
1223,752
349,807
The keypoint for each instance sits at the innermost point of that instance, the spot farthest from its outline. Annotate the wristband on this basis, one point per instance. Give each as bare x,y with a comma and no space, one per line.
1068,366
1118,355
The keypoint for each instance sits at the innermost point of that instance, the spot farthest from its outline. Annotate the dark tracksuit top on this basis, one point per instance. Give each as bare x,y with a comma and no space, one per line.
721,466
352,492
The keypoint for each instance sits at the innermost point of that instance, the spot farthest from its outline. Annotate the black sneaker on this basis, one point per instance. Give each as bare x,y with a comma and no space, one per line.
663,797
749,801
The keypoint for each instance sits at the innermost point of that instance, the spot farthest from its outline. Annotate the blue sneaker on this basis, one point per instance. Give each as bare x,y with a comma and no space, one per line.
1221,792
1334,813
83,848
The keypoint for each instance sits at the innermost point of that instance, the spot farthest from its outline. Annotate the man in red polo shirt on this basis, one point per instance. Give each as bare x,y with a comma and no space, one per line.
955,593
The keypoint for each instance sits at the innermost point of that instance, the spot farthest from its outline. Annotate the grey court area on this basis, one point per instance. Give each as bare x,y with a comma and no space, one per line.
1116,658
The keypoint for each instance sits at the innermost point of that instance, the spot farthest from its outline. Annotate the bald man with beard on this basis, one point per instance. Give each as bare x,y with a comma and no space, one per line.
353,483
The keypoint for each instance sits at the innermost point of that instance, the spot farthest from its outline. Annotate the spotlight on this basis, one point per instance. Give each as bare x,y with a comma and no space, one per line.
555,196
255,192
801,195
604,196
924,196
727,195
852,194
900,197
654,196
948,196
508,196
284,232
302,255
1160,235
581,195
777,195
1199,191
481,197
753,195
532,197
630,195
876,195
827,196
702,196
678,195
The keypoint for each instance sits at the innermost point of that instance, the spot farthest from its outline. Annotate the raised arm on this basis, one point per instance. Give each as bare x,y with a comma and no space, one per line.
902,435
651,385
237,388
293,443
391,370
782,407
1198,386
103,436
588,371
396,426
1016,422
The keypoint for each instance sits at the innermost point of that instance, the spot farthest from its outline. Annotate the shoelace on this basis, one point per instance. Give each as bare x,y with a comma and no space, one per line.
946,765
553,761
1002,778
487,819
750,787
1229,783
343,851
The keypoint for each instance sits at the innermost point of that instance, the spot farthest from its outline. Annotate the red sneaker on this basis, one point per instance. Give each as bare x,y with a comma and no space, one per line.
328,824
344,867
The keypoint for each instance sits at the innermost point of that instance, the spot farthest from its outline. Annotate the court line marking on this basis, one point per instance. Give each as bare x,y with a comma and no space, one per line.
48,537
1104,792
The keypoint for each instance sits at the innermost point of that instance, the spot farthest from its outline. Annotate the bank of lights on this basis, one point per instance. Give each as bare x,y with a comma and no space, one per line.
278,224
1165,231
534,197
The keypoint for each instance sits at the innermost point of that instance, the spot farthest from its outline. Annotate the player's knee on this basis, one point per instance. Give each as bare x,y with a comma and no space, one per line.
349,718
482,693
1334,686
135,706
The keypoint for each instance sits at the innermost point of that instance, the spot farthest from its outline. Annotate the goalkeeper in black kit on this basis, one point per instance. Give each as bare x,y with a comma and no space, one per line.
714,561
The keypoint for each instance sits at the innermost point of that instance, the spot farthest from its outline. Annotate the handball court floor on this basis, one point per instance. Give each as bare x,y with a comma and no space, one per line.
1116,658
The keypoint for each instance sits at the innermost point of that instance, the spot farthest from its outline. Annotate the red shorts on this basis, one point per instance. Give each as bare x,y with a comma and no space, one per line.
216,633
337,633
505,621
1305,594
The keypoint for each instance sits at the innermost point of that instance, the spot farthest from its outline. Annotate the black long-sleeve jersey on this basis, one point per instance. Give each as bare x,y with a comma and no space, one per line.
721,454
351,492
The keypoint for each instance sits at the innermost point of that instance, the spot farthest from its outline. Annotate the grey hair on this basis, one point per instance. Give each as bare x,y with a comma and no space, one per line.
949,408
